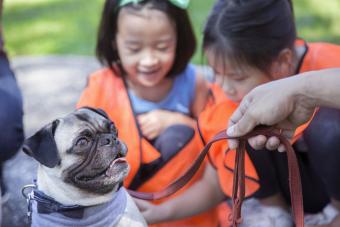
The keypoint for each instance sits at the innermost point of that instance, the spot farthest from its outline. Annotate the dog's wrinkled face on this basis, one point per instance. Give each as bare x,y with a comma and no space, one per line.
89,154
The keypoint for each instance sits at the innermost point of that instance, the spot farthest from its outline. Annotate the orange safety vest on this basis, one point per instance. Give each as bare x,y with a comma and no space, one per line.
319,56
107,91
213,120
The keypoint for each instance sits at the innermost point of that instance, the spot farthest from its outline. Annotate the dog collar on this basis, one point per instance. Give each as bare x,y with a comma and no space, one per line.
47,205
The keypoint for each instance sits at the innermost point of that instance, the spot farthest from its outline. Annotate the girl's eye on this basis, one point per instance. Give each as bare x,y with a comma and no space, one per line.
237,77
162,48
114,130
240,78
133,49
82,142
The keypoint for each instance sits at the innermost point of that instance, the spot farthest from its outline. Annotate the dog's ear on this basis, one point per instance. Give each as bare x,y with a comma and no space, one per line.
102,112
97,110
42,146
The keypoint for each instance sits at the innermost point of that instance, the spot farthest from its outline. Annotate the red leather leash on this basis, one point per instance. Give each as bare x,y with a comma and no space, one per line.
239,176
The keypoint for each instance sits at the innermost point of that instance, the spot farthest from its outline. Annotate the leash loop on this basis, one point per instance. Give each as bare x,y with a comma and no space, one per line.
238,193
29,198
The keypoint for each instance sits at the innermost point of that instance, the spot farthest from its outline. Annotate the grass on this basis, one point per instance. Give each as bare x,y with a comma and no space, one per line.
43,27
39,27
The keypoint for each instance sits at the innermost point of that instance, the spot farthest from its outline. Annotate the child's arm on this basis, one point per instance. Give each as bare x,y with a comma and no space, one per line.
201,95
200,197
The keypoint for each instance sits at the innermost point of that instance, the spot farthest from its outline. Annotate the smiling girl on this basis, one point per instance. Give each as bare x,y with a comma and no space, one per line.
151,92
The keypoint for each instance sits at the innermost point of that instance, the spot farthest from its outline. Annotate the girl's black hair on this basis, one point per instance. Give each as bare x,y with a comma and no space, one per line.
186,43
250,31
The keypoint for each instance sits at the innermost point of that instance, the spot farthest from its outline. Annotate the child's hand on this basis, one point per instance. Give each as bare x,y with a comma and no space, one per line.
155,122
151,213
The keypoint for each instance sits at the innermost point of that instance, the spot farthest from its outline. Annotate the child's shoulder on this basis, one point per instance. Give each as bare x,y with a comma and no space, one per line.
323,49
215,118
102,73
189,73
219,112
104,80
321,55
323,45
193,73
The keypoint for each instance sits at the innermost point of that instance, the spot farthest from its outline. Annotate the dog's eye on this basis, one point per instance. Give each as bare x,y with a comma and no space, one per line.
87,133
114,130
82,142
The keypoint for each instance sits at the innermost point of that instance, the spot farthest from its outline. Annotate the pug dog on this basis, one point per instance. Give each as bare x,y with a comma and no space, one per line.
80,173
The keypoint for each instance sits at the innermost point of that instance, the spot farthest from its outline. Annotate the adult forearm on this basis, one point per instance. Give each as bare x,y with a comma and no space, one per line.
321,88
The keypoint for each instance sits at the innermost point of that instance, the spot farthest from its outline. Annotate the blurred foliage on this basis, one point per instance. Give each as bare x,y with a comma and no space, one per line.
41,27
318,20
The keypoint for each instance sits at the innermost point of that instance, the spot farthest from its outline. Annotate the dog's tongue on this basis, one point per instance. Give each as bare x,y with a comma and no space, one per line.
116,166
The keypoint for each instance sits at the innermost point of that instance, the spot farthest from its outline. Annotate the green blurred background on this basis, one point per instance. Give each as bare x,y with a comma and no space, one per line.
44,27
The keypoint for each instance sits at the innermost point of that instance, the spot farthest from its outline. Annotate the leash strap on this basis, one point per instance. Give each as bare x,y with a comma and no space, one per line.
238,193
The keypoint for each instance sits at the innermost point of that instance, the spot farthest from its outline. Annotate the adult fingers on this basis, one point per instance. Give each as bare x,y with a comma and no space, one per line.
239,123
272,143
257,142
281,148
244,125
233,144
237,115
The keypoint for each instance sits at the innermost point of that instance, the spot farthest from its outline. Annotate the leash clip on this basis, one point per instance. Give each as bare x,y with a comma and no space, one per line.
29,196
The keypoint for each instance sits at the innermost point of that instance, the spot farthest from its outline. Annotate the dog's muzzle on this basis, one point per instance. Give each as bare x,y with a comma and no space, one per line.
103,167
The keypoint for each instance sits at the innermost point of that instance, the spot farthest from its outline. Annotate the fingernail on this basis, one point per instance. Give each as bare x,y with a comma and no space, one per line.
230,131
232,146
281,149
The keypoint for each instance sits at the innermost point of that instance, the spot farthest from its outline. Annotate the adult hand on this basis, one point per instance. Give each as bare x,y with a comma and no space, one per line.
278,104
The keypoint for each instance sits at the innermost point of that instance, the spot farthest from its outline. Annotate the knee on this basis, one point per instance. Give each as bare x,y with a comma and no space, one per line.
323,132
177,132
173,139
11,125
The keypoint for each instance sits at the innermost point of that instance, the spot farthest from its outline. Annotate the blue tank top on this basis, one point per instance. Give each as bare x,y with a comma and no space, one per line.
179,99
